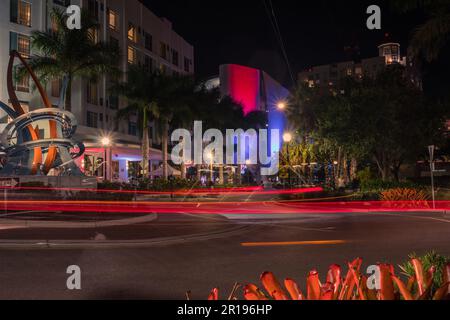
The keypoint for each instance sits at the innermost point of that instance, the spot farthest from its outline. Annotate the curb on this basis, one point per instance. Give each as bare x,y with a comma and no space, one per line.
78,225
55,244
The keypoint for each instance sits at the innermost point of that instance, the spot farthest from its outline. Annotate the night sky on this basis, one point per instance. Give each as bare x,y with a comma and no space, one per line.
315,32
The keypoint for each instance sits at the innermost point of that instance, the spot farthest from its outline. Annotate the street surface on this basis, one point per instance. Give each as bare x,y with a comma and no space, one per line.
223,252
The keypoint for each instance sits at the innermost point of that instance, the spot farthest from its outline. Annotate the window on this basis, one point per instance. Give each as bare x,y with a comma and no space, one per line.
132,128
163,50
113,20
20,43
92,119
113,102
22,85
92,92
148,41
163,68
56,88
132,35
175,61
64,3
93,8
148,63
186,64
132,55
114,42
21,12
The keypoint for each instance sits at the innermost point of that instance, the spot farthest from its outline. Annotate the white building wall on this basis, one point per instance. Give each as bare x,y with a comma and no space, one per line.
129,11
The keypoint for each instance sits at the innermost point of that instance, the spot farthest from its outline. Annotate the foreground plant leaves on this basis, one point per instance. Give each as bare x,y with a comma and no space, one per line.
293,289
214,294
353,287
252,292
273,287
313,290
387,287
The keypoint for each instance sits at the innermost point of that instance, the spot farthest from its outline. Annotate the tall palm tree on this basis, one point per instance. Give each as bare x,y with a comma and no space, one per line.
155,97
139,90
429,38
68,54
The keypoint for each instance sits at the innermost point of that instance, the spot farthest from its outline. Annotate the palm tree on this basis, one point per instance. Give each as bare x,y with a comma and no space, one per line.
175,101
429,38
155,97
68,54
139,92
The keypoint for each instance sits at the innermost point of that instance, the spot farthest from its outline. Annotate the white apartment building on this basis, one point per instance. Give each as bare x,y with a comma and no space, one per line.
143,38
328,76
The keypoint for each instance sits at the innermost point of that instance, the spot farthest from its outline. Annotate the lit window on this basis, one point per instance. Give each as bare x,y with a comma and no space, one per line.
132,32
113,20
21,12
20,43
132,58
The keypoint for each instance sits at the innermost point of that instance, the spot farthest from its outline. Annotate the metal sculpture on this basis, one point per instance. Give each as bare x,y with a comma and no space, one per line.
40,140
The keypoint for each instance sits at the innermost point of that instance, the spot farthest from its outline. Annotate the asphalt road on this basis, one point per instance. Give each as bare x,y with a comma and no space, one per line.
167,271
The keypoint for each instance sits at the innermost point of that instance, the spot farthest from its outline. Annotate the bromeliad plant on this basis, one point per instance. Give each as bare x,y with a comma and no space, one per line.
352,287
405,197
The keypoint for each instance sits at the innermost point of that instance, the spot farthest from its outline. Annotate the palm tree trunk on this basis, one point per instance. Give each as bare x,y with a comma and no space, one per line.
183,164
221,177
165,139
199,174
183,170
68,96
145,146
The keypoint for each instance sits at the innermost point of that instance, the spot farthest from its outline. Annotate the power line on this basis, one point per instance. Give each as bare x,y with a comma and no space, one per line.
276,28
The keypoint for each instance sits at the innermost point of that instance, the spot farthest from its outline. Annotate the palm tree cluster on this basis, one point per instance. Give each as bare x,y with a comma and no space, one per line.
154,97
69,54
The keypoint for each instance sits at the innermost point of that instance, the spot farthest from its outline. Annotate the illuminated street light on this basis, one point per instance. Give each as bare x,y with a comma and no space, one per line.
106,143
287,137
281,105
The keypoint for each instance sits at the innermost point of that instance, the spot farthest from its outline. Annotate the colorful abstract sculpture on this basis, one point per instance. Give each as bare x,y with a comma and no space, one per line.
40,140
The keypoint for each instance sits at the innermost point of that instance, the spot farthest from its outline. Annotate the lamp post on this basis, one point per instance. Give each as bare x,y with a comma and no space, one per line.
431,150
287,138
106,143
211,173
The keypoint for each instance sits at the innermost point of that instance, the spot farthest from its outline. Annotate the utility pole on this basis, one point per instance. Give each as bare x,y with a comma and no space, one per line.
431,150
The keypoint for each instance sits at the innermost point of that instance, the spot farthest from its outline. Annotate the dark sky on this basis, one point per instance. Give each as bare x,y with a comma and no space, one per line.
315,32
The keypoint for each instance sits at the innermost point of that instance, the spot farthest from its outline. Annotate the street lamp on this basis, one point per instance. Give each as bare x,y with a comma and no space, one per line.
431,150
281,105
287,138
211,174
106,143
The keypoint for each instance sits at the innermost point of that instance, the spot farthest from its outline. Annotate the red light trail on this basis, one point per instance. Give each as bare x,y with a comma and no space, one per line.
257,207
